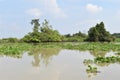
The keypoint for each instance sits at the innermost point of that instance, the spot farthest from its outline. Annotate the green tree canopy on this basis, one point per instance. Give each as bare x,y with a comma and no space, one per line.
42,33
48,34
35,34
99,33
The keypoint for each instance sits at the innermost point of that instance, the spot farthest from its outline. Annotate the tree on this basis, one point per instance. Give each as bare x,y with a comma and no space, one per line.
36,24
99,33
9,40
33,37
117,35
93,34
79,34
43,33
48,34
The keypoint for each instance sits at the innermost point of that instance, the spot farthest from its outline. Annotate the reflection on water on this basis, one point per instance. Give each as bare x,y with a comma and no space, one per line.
44,54
55,64
98,53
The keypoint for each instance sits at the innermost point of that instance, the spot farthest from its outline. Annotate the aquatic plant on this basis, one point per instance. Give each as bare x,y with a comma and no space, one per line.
93,46
111,59
91,69
88,61
15,49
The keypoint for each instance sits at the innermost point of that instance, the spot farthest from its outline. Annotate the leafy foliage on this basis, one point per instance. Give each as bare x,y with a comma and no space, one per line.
43,33
48,34
77,37
9,40
99,33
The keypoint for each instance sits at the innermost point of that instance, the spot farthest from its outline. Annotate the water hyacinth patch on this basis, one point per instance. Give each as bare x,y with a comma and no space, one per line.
91,69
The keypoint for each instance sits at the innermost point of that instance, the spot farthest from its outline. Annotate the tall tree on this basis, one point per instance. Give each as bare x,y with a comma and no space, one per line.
35,34
36,24
48,34
43,33
99,33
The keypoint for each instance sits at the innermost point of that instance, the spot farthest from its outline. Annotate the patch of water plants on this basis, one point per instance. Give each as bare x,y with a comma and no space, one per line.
94,46
14,49
99,61
19,48
109,59
92,69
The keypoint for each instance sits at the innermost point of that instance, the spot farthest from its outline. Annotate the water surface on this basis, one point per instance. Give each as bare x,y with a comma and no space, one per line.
55,64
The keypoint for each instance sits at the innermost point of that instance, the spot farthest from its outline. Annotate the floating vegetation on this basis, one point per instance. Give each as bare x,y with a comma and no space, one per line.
14,50
88,61
111,59
94,46
91,69
100,61
19,48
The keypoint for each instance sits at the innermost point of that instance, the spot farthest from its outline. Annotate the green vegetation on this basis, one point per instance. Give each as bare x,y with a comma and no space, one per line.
43,33
117,35
91,69
111,59
101,61
88,61
14,49
99,34
43,36
17,48
9,40
77,37
93,46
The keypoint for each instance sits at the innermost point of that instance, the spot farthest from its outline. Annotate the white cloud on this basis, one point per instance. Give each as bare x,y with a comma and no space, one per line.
52,7
34,12
93,8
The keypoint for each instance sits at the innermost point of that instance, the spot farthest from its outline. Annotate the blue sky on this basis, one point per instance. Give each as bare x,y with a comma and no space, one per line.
67,16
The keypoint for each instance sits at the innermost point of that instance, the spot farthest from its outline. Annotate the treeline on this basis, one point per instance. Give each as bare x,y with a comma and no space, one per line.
43,32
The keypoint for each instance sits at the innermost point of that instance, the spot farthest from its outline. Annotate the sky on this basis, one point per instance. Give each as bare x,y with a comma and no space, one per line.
66,16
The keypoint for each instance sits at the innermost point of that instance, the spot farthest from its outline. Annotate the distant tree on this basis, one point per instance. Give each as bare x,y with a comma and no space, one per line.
79,34
48,34
99,33
36,24
93,34
9,40
117,35
42,33
33,37
77,37
67,35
